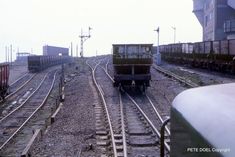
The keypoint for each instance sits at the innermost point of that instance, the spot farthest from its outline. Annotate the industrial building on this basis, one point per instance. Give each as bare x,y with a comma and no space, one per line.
22,57
217,18
55,51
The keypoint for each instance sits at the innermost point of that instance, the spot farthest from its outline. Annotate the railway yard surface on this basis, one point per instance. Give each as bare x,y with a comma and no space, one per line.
17,71
82,114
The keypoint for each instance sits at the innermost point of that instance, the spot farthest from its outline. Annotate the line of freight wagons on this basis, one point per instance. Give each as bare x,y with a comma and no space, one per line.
214,55
39,63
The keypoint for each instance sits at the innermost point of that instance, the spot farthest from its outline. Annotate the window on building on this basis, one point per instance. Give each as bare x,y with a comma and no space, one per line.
210,16
206,6
206,20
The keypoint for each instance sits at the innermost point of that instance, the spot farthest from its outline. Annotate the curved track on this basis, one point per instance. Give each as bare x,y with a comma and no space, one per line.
19,83
16,98
99,110
137,134
11,124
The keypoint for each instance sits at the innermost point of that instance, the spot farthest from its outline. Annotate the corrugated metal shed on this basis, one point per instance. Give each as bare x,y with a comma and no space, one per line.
55,51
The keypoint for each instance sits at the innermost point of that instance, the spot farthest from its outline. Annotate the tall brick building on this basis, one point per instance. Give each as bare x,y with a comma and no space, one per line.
217,18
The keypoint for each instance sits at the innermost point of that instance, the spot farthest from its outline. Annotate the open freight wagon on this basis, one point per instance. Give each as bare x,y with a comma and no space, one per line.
4,77
132,63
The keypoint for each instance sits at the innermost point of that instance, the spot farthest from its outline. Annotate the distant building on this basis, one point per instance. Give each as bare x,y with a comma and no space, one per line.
55,51
217,18
22,57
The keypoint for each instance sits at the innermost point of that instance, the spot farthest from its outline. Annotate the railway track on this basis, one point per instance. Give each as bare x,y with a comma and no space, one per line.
150,102
176,77
12,124
134,132
18,85
102,121
115,108
23,91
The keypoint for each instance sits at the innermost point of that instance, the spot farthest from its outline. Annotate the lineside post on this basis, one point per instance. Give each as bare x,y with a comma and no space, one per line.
162,138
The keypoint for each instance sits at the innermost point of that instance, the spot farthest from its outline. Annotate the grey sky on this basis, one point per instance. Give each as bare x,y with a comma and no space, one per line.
33,23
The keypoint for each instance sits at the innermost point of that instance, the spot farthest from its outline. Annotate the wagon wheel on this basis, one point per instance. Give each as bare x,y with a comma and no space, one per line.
143,88
2,96
120,88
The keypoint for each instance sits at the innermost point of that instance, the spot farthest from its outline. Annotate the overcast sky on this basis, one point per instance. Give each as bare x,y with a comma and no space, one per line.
30,24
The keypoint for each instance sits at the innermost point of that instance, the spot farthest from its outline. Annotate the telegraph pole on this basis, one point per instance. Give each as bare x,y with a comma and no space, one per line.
71,49
77,50
11,55
6,52
158,59
83,39
174,28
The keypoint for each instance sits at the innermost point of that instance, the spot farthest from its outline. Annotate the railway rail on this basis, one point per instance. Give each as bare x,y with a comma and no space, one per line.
99,109
137,105
149,100
115,107
14,122
179,78
19,84
16,98
20,78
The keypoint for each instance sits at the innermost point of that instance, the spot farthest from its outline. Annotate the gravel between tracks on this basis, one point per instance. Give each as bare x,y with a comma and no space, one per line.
74,128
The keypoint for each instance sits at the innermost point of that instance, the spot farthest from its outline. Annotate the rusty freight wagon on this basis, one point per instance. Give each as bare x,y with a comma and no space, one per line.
4,77
132,63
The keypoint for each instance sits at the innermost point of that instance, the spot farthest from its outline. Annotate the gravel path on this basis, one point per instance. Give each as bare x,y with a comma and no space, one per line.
73,133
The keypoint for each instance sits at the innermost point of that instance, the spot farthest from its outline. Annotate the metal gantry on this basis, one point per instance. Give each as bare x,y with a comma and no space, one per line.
83,39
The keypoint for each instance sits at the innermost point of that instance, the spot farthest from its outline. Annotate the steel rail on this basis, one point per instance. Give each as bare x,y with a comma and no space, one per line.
21,86
148,120
121,113
179,78
105,105
157,113
123,127
19,79
35,111
25,100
